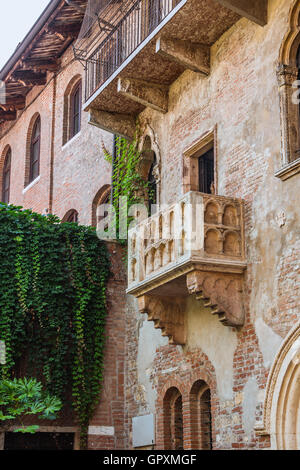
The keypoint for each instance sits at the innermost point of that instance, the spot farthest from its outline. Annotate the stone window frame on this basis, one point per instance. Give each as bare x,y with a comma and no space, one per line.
287,75
190,160
73,86
103,196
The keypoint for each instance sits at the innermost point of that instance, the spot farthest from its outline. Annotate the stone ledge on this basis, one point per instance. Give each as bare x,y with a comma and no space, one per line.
289,170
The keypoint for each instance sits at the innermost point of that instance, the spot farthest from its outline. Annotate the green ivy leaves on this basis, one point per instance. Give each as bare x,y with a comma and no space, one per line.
53,280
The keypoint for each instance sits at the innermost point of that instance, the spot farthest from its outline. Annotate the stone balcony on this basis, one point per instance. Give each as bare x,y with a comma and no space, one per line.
195,246
152,44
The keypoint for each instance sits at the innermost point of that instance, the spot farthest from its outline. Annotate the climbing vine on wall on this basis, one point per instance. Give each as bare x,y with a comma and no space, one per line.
53,305
126,178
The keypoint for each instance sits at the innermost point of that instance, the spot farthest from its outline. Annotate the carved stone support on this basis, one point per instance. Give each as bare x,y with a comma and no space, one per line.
148,94
289,113
254,10
193,56
120,124
222,292
168,314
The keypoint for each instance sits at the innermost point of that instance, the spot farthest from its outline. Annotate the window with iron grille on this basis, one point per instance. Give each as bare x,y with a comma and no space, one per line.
6,178
173,420
35,146
201,417
75,111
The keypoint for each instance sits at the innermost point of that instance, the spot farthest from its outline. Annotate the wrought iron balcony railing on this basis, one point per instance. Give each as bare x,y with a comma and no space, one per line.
136,25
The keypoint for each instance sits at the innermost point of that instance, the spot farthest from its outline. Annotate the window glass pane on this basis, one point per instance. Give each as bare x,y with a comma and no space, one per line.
35,151
75,112
6,178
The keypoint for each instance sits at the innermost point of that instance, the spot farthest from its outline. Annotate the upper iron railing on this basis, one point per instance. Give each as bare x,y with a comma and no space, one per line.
136,25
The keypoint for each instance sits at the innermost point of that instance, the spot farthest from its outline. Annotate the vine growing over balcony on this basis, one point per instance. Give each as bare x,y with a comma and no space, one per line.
127,181
53,306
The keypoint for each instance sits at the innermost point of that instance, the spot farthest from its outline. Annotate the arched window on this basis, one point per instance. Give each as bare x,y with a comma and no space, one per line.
6,177
200,412
35,146
72,109
71,216
173,420
103,196
75,110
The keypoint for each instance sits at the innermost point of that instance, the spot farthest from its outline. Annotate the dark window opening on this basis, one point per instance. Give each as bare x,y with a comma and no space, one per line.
6,178
39,441
207,172
75,112
178,424
205,418
152,185
72,217
34,170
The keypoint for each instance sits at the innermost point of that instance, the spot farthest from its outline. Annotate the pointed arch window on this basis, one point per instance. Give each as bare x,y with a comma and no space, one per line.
35,146
6,178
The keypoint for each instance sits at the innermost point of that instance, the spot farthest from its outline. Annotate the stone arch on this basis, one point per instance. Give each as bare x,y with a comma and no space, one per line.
232,243
32,122
102,197
67,103
287,74
291,41
281,417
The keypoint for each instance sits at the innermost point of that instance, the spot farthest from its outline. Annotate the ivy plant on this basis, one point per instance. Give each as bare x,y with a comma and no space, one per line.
53,306
126,179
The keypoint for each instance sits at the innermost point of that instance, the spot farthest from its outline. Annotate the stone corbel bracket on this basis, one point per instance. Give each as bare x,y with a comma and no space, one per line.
222,292
168,314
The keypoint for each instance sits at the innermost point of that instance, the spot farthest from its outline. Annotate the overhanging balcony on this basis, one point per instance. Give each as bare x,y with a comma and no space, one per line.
193,247
149,48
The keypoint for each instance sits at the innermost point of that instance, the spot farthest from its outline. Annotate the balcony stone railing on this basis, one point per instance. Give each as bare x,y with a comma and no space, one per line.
195,246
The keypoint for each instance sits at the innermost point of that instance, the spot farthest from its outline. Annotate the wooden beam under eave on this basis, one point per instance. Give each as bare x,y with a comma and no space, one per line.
148,94
192,56
119,124
18,102
42,65
254,10
8,115
30,78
